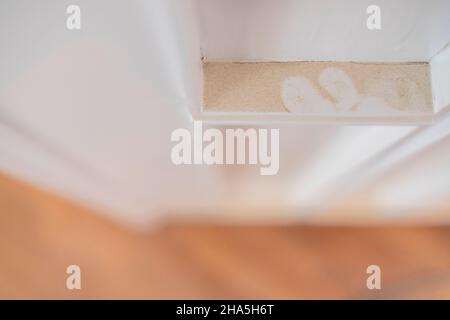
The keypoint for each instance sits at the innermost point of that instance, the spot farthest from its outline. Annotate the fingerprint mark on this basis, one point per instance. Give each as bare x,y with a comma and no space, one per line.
300,95
340,86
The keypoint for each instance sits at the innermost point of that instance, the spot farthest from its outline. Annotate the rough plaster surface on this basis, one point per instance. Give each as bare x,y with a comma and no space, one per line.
318,88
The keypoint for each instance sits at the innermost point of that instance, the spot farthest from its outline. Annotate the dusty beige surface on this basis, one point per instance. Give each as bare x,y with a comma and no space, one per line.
256,87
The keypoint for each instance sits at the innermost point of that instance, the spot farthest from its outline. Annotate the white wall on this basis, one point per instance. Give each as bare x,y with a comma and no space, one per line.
102,100
279,30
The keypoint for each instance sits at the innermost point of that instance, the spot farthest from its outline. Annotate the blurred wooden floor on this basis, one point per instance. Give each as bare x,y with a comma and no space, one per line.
40,235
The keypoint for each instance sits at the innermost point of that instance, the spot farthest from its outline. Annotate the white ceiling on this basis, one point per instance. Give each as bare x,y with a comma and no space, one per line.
279,30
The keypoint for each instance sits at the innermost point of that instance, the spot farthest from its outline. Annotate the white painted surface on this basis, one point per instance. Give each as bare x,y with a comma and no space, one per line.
423,180
440,77
104,99
322,30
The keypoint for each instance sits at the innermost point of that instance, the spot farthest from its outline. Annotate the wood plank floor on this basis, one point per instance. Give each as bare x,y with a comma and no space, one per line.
41,234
